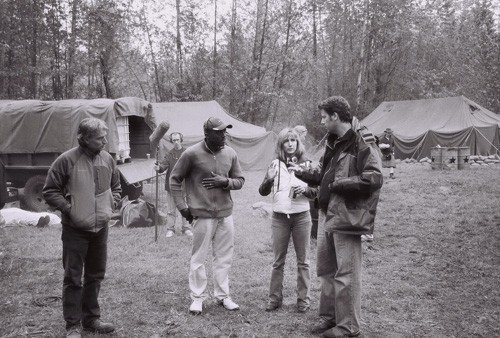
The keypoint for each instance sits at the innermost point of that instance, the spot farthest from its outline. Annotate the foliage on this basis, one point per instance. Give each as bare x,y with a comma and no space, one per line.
273,61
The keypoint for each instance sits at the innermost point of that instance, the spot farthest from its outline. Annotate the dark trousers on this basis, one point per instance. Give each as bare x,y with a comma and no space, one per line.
83,252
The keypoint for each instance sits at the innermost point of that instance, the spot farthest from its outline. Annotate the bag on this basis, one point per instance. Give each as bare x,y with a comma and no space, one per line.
136,213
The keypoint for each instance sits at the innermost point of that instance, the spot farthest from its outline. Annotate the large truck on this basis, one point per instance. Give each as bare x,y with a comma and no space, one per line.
34,133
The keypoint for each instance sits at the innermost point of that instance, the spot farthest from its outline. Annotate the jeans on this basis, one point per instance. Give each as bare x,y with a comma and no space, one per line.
339,270
219,233
173,213
299,227
83,252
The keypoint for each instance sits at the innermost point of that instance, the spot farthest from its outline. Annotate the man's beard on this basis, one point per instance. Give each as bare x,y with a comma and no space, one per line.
214,142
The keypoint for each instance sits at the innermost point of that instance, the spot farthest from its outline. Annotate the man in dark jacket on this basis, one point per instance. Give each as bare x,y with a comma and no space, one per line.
83,183
349,182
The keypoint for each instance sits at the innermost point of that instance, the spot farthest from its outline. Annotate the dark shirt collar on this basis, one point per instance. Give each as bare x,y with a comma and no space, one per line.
347,136
333,139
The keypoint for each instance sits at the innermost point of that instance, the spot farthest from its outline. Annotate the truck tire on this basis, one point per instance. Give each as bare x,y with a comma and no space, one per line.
32,199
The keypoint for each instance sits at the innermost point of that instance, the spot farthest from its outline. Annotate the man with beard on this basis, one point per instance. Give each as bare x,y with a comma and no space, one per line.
83,183
349,185
209,170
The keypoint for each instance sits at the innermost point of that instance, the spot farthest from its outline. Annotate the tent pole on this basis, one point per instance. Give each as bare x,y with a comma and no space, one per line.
155,222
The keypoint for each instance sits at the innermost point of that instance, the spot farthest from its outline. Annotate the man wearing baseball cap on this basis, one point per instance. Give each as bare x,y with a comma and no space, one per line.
209,170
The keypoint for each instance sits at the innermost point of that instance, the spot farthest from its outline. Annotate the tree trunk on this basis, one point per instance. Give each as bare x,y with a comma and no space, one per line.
258,52
344,48
284,64
232,59
34,51
57,90
362,63
90,59
106,74
71,51
153,59
314,32
214,75
178,41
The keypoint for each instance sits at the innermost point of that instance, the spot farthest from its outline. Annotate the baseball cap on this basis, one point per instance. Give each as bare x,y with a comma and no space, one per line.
215,123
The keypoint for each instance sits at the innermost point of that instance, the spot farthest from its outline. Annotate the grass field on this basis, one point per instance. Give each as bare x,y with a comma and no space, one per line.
433,269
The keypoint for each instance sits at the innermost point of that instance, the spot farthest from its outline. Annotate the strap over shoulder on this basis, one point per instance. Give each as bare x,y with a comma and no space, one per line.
366,135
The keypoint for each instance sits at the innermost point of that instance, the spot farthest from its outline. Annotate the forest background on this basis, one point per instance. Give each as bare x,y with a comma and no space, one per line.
266,62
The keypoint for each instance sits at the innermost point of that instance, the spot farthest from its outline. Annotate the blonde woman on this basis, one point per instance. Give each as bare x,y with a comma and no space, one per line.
291,217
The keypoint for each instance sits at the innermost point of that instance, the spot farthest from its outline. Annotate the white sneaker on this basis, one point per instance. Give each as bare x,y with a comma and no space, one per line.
169,234
229,304
188,233
366,238
196,307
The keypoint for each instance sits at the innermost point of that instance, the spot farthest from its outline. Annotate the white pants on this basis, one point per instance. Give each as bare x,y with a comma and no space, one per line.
220,233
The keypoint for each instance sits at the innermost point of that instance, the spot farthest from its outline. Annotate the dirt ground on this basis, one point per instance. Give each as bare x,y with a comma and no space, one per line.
432,270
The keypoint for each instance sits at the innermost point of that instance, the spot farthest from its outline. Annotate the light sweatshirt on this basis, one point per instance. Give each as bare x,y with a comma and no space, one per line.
195,164
85,187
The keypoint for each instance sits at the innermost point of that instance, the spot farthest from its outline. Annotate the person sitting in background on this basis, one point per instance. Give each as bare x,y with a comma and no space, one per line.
386,145
290,217
168,163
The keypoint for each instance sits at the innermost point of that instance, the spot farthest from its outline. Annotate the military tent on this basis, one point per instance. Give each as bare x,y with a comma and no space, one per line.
255,146
419,125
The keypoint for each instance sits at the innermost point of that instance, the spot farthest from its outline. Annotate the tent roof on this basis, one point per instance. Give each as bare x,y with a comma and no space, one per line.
416,117
33,126
188,118
253,144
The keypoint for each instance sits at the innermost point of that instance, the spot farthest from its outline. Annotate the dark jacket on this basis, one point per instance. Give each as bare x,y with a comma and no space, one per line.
84,187
349,182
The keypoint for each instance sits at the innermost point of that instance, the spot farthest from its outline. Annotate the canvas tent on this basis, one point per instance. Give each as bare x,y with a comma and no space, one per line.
33,126
419,125
255,146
